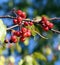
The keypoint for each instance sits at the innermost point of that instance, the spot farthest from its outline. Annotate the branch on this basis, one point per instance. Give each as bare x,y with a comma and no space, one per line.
11,27
55,18
11,17
56,31
40,35
7,17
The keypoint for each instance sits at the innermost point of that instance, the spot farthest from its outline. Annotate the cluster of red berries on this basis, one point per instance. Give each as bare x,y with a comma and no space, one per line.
13,39
20,16
28,23
46,25
22,34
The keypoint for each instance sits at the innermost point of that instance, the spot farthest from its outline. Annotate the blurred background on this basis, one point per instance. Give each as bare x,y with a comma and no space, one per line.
33,8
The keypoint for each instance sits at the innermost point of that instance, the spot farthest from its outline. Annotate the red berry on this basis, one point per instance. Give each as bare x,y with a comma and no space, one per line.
19,19
30,23
15,21
14,32
28,34
44,18
45,28
50,25
6,41
20,32
22,39
23,15
26,23
23,30
24,34
10,41
19,12
14,38
43,25
43,22
47,23
17,33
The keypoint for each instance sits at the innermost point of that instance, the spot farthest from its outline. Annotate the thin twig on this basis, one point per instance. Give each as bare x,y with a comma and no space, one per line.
40,35
11,27
11,17
7,17
55,18
14,11
56,31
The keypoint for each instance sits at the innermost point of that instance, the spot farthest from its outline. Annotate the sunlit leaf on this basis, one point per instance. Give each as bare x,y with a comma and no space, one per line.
2,58
28,62
37,19
40,56
26,42
31,28
18,47
35,62
47,50
12,48
0,50
21,62
2,31
11,59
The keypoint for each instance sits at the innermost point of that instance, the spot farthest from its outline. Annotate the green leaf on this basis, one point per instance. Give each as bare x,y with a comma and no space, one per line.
2,47
37,19
40,56
11,59
0,51
47,50
26,42
18,47
31,28
21,62
28,60
2,31
35,62
12,48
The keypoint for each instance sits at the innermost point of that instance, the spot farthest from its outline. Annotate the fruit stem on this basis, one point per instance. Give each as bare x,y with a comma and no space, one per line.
40,35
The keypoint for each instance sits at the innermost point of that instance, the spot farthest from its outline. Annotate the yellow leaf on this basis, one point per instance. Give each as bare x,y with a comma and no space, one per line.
40,56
